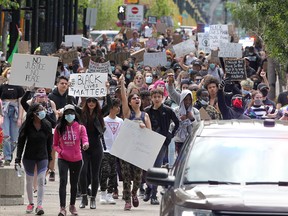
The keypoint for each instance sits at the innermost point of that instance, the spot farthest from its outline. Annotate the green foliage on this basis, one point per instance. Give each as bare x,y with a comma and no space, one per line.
160,8
9,4
268,20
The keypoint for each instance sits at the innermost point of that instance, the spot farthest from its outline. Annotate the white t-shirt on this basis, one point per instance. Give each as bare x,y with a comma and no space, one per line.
111,132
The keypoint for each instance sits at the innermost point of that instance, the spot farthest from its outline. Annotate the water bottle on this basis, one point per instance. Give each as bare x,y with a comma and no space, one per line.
19,170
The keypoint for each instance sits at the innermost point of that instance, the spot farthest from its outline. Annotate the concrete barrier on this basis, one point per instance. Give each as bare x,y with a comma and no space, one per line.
11,187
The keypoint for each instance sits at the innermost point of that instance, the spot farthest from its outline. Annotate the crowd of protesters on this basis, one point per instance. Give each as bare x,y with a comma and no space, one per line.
168,99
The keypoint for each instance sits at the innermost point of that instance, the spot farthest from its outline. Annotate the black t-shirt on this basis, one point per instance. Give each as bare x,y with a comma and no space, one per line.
283,98
11,92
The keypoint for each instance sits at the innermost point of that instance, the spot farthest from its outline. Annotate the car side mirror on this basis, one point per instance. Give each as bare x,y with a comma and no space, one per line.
159,176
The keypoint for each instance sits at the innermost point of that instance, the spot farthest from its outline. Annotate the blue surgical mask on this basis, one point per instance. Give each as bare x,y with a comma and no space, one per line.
203,102
131,65
112,68
70,117
212,66
128,76
245,92
41,114
168,65
149,80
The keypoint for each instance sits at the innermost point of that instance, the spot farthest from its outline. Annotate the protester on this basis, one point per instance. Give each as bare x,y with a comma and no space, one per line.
35,136
69,137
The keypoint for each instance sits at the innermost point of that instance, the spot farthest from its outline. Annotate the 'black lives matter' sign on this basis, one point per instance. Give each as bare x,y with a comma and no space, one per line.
235,69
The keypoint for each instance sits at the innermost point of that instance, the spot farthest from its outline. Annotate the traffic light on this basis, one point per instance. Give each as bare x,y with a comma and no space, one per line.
121,12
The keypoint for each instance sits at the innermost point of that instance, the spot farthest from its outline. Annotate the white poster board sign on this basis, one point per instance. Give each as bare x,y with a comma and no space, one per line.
155,59
134,13
88,84
204,44
184,48
28,70
73,40
85,42
151,43
139,152
230,50
217,34
95,67
148,32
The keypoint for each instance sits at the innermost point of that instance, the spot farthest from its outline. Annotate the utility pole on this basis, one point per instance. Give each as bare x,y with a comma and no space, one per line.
35,25
75,26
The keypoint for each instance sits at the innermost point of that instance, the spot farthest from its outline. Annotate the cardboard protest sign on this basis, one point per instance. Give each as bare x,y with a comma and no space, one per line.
235,69
68,57
203,114
86,61
95,67
139,152
23,47
47,48
217,34
177,39
155,59
139,55
203,42
214,56
129,33
73,40
230,50
151,43
184,48
27,70
85,42
161,27
88,84
118,57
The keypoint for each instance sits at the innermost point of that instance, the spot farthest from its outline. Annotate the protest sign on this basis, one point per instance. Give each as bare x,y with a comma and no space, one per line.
214,56
73,40
217,34
27,70
203,42
138,55
118,57
151,43
86,61
152,19
95,67
139,152
184,48
161,27
177,39
129,33
148,32
88,84
23,47
85,42
235,69
230,50
204,114
68,57
47,48
155,59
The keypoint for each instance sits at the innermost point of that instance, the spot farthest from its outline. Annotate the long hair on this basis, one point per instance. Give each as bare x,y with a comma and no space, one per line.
130,98
45,124
96,113
253,94
61,127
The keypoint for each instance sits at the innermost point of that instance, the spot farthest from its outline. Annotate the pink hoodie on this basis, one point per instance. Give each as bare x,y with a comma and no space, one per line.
68,145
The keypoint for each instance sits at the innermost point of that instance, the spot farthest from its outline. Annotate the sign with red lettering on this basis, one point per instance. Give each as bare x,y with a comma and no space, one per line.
134,13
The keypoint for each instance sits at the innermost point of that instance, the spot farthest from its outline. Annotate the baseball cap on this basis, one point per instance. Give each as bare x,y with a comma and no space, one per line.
69,107
262,86
196,63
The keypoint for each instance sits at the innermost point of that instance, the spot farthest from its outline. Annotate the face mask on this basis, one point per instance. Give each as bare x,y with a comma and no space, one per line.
264,92
124,67
212,66
70,117
168,65
250,53
118,75
203,102
257,102
112,68
149,80
182,80
237,103
41,114
131,65
128,76
245,92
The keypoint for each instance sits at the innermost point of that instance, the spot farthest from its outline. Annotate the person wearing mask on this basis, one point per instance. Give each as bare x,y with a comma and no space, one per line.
12,115
246,88
134,40
69,137
148,79
215,71
254,58
264,89
249,70
92,118
35,136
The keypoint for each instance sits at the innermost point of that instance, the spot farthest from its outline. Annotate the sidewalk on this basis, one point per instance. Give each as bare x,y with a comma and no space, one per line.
51,204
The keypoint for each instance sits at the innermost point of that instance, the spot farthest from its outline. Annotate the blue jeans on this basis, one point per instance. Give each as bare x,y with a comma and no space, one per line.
10,133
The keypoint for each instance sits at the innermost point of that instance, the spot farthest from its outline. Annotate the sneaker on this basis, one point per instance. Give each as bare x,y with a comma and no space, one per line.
135,201
62,212
73,210
141,193
109,199
115,195
154,201
147,195
39,210
52,176
127,206
29,208
103,197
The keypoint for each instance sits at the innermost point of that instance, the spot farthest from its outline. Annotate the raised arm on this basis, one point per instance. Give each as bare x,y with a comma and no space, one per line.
125,107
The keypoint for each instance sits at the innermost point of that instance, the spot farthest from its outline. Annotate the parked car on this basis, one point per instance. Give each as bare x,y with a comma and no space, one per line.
96,35
228,168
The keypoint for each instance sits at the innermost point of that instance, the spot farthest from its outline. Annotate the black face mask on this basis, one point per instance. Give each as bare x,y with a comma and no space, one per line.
125,67
118,75
264,92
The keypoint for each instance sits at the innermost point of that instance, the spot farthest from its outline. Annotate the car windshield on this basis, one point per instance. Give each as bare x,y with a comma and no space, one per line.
240,160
